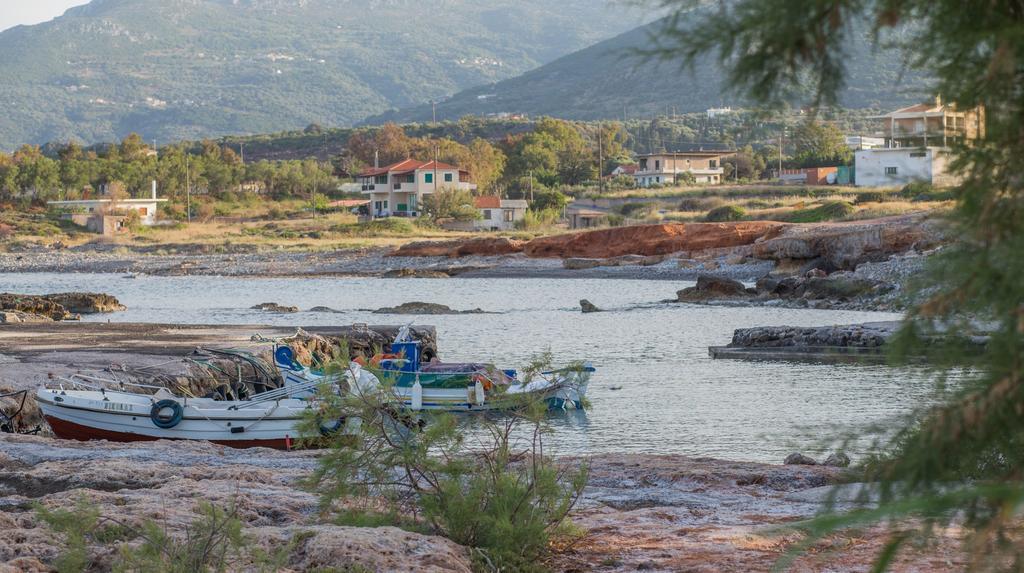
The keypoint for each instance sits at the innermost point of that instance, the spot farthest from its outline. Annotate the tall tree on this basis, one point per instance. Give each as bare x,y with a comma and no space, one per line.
819,144
961,462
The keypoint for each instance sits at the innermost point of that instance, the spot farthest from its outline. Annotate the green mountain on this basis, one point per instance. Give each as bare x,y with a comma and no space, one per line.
608,81
186,69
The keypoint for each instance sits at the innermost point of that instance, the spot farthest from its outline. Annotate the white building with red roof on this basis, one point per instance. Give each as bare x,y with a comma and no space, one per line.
496,214
398,190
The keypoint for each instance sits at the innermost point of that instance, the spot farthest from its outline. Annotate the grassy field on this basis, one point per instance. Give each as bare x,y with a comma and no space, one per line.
796,203
251,223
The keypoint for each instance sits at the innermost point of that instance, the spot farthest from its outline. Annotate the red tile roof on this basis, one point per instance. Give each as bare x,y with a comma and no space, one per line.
487,202
407,166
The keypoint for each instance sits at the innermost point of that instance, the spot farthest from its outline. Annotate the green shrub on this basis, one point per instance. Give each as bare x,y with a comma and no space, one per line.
535,219
276,212
829,211
615,220
697,204
386,227
211,543
638,210
872,197
500,496
948,194
915,188
725,213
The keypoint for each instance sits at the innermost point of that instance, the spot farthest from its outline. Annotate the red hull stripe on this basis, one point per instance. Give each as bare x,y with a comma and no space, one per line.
72,431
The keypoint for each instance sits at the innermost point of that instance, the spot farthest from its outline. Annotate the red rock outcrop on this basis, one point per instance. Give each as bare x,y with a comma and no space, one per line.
652,239
839,245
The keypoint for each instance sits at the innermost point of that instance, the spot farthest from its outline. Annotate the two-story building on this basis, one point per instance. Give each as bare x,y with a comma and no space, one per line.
917,140
664,168
932,125
398,190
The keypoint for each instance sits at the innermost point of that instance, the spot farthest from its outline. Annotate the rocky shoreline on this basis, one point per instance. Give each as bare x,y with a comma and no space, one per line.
639,512
677,249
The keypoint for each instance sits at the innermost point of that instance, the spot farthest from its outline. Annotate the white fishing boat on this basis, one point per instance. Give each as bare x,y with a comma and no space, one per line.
83,410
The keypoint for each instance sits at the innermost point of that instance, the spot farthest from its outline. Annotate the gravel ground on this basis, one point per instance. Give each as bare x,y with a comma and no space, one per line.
367,262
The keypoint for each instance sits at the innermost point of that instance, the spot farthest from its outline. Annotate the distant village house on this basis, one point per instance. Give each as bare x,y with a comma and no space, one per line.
496,214
624,171
665,168
398,190
107,215
917,140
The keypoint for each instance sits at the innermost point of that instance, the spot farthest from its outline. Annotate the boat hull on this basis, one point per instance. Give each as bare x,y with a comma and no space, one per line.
128,418
71,431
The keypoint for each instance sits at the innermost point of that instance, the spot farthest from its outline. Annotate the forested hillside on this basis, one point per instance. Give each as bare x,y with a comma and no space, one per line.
613,79
187,69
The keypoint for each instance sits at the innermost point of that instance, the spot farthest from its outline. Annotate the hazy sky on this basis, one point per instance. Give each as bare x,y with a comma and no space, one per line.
14,12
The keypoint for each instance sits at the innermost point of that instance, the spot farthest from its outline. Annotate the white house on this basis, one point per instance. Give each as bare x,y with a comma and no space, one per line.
397,190
146,208
496,214
107,215
897,166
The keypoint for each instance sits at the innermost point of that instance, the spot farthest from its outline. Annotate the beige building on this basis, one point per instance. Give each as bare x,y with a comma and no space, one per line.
917,140
397,190
663,168
932,125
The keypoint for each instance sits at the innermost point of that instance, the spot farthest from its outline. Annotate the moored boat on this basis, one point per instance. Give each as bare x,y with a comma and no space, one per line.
85,408
434,385
89,412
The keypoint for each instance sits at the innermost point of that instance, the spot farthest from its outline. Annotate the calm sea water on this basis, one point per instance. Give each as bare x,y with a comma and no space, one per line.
655,391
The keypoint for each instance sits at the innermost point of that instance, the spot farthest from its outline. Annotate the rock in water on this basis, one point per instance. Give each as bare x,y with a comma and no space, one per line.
324,309
86,302
798,459
274,307
424,308
837,460
588,306
415,274
34,304
712,287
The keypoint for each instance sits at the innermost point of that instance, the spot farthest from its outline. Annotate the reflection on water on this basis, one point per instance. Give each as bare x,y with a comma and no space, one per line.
673,397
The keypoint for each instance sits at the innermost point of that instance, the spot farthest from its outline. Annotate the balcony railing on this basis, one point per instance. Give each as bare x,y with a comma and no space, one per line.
369,187
930,133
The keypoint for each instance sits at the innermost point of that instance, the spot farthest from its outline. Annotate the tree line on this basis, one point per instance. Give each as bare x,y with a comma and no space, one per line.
538,163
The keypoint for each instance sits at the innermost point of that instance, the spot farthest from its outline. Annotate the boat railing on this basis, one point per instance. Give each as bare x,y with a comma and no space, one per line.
76,380
81,381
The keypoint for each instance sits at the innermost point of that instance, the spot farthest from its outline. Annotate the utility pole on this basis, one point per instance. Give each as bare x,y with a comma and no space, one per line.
531,186
600,156
241,156
780,151
188,191
433,105
437,151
